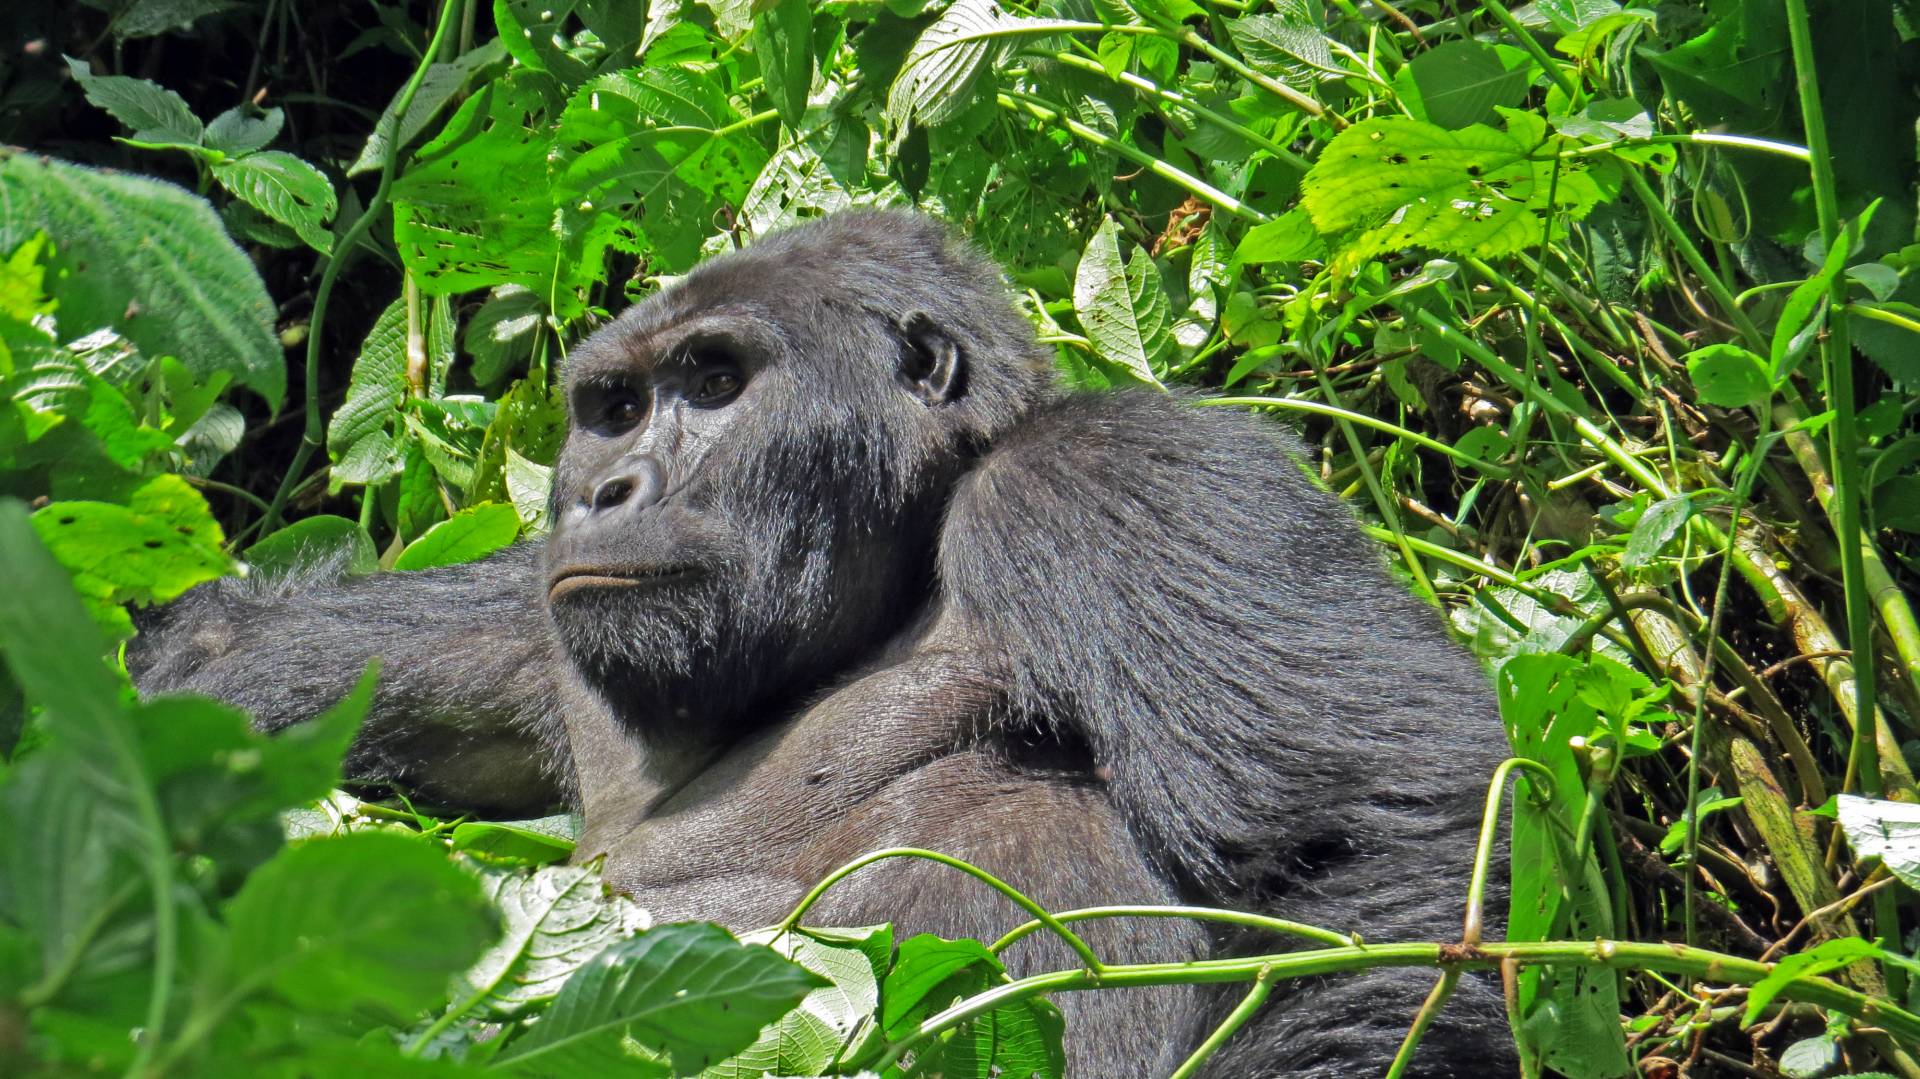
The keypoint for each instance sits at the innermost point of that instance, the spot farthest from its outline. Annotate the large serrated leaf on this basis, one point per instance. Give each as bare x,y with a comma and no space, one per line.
1122,306
286,189
822,1029
474,208
150,260
953,57
156,114
1288,45
653,151
690,991
1396,183
557,918
360,435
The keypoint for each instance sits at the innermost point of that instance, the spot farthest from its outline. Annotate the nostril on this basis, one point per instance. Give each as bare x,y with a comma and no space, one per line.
613,492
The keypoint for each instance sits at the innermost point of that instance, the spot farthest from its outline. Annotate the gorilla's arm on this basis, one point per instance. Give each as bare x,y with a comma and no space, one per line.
464,709
1282,726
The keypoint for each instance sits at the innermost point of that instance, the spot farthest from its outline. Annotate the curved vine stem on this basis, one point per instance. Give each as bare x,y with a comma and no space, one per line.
1470,930
310,437
1080,947
1198,914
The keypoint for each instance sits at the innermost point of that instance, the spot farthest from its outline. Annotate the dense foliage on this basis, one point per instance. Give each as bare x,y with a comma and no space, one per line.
1603,316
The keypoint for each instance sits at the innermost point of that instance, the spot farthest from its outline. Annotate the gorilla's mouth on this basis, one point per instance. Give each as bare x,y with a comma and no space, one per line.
579,578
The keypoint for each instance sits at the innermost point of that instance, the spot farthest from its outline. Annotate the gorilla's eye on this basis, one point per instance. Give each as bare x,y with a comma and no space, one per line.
715,387
621,411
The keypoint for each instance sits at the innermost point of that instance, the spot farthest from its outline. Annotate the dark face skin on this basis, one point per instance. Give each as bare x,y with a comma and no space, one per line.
645,416
713,547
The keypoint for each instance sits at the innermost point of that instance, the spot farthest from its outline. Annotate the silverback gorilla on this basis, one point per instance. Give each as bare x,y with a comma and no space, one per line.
836,566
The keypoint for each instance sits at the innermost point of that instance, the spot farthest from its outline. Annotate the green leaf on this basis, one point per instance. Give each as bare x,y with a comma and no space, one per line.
1889,831
1288,45
1122,306
360,436
1461,83
150,260
1398,183
953,60
157,115
500,335
690,991
1799,320
474,209
556,919
313,540
240,131
1728,376
471,534
824,1026
528,486
931,974
782,40
542,841
286,189
1830,955
1656,528
161,543
1289,237
439,86
365,919
652,152
150,18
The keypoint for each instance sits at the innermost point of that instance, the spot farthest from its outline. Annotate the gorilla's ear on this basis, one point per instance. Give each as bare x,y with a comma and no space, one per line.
931,365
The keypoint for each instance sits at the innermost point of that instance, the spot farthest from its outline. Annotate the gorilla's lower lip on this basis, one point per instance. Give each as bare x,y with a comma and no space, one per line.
573,580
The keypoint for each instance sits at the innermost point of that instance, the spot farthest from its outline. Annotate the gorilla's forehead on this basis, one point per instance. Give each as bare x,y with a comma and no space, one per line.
657,331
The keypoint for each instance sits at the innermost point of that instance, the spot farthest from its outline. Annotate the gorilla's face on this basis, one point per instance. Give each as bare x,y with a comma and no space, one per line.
711,516
759,457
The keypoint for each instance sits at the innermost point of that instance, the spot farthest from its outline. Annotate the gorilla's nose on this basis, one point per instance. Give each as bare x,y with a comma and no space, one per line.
635,483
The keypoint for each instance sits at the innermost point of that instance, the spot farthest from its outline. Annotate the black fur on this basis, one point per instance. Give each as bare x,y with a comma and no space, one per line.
1114,648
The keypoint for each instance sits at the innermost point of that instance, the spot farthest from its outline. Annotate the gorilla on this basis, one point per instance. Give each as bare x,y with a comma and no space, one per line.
836,565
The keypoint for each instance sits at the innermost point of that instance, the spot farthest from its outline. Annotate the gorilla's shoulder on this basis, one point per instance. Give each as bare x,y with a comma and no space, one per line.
1153,479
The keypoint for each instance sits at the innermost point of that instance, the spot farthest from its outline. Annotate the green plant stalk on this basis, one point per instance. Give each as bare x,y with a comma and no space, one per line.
1665,958
1180,100
1896,613
1540,56
1843,442
1273,86
1759,576
1542,316
1203,914
1429,1011
1695,260
1317,408
1072,939
1696,138
1053,114
1470,929
311,436
1243,1011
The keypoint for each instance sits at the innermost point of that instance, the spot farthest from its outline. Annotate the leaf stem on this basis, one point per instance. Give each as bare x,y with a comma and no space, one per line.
1080,947
1243,1011
310,437
1843,444
1050,113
